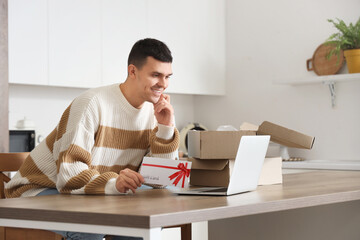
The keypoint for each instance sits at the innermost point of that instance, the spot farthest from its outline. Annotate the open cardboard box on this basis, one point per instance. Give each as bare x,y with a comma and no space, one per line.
224,144
212,153
216,173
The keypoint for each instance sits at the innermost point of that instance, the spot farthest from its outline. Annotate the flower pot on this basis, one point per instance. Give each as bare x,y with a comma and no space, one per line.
353,60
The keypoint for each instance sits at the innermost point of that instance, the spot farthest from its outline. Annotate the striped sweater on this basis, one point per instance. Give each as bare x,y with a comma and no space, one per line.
98,135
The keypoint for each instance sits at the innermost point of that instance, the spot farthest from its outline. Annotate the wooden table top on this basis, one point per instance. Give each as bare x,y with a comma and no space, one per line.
156,208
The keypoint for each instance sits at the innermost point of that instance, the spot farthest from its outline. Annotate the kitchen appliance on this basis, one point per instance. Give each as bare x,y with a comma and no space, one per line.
21,140
24,137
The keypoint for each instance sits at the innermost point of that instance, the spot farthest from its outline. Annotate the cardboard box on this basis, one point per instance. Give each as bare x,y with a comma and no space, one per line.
217,172
215,144
271,172
224,144
205,172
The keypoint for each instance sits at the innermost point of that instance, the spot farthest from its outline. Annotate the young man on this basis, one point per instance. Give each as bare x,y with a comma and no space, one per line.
104,134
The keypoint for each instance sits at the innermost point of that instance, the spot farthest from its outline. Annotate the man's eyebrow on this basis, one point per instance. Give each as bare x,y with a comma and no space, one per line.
170,74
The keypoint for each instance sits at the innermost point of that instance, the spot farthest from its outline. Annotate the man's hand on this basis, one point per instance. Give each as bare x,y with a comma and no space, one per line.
164,112
128,179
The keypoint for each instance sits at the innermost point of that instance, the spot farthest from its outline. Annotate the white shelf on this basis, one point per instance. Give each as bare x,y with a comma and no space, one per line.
329,80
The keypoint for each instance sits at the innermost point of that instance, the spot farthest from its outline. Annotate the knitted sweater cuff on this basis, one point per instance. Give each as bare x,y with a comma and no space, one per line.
110,187
165,132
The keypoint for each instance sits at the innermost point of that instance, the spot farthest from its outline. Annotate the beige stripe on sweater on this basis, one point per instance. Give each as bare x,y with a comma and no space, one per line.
122,139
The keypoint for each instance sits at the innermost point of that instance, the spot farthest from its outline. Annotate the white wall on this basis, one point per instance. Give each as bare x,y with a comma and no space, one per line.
269,40
45,105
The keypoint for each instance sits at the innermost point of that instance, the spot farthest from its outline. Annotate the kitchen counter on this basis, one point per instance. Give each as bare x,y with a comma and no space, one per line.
323,164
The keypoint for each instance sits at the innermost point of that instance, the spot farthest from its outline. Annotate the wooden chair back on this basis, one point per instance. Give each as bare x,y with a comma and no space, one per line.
10,162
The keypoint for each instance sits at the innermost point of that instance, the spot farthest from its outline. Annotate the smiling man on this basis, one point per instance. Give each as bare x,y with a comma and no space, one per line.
103,135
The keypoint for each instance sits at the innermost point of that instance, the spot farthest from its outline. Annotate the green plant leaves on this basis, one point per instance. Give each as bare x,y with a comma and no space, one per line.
348,36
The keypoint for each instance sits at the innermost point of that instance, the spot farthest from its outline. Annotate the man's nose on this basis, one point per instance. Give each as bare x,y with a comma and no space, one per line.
163,82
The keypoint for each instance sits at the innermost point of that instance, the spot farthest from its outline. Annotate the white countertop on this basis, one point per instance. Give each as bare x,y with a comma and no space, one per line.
323,164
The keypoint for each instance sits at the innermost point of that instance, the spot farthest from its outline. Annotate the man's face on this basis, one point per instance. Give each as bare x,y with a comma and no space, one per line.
152,79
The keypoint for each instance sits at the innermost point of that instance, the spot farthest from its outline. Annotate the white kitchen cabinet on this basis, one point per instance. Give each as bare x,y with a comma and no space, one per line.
195,33
75,43
123,23
85,43
28,42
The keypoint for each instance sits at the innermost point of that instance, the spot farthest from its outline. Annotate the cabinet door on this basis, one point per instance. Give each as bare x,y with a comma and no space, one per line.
28,42
123,23
195,33
75,43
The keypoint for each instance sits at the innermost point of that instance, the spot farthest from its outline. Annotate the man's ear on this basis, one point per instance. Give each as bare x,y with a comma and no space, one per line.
132,71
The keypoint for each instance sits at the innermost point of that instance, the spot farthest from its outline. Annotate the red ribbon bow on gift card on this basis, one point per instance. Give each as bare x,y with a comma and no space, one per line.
182,174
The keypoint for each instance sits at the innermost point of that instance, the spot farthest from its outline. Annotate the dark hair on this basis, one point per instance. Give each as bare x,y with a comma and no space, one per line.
149,47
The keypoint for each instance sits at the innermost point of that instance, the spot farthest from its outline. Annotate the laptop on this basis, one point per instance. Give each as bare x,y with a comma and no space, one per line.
246,171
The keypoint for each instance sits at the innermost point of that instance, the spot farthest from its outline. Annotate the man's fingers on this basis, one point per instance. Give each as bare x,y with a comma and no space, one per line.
126,183
163,98
126,186
128,179
135,176
164,111
160,102
164,104
139,177
166,97
160,99
158,108
131,181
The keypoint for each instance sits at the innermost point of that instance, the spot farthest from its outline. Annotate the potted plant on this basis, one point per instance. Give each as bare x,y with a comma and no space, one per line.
347,39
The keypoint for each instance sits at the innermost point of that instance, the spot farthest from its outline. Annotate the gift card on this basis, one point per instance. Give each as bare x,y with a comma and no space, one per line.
167,172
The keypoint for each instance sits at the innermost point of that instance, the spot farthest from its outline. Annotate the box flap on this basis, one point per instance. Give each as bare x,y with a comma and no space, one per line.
206,164
285,136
